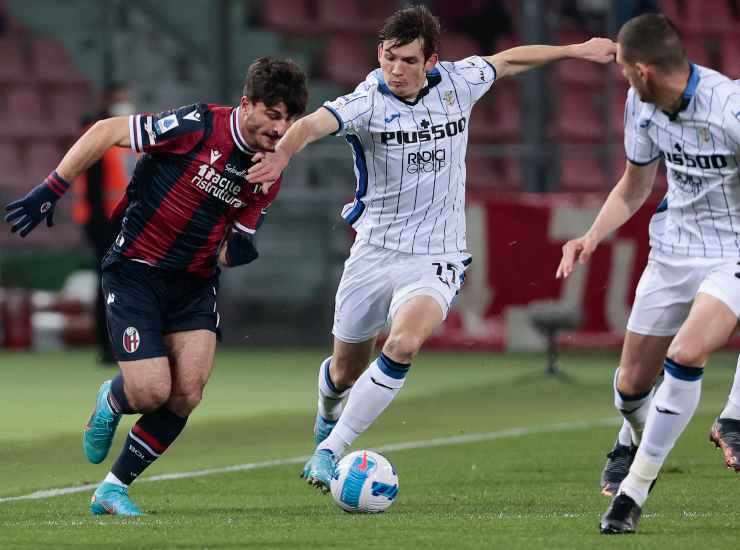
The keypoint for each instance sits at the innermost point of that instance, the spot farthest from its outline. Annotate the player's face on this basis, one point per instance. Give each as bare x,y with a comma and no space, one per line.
263,126
404,68
638,77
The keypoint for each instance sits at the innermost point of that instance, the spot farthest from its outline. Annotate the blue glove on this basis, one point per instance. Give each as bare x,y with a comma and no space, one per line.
25,214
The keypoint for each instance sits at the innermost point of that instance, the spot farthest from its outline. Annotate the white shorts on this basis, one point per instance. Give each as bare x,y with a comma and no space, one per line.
377,281
669,284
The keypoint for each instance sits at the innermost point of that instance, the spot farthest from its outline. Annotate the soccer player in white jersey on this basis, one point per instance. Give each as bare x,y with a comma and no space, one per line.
688,299
407,125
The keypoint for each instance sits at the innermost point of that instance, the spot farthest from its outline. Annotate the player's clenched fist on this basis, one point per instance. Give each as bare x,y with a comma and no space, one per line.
580,250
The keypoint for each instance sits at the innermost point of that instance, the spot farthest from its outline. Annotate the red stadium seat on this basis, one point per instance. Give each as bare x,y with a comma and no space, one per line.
696,51
583,174
455,46
67,105
730,55
578,73
42,157
709,17
293,16
496,116
348,60
480,171
12,174
52,63
13,68
25,115
577,118
344,16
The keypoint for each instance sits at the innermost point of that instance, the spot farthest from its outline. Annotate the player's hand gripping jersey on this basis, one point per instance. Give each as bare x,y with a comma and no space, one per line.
410,157
188,190
700,145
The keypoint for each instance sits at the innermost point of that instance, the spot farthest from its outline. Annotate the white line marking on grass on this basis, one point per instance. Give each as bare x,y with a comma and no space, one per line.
423,444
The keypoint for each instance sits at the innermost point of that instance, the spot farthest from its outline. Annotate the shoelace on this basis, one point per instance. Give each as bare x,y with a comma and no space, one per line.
619,461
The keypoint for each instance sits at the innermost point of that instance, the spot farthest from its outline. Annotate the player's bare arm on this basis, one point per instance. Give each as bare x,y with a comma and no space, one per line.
313,127
38,205
523,58
625,199
90,147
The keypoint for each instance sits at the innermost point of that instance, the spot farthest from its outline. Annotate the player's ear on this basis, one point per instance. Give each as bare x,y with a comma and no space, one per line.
643,71
244,103
430,63
380,51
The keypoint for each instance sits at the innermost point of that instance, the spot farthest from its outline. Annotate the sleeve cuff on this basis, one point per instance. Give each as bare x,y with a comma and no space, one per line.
339,119
645,163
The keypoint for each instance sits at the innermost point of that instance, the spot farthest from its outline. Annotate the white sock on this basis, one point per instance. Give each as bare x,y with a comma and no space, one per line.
330,400
369,397
732,408
634,409
110,478
672,407
625,434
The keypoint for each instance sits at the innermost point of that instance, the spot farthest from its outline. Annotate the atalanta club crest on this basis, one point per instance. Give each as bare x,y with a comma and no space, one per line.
131,339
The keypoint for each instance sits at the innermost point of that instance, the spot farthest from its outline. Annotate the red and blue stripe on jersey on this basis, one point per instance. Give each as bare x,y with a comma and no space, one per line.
188,189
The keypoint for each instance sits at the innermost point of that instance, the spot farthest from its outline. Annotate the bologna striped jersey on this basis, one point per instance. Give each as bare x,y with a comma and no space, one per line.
188,189
410,157
700,145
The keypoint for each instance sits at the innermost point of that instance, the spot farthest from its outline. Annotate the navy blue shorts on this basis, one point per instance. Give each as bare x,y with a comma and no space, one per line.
144,303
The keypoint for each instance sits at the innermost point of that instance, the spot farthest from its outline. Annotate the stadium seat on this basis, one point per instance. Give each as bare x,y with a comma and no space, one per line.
292,16
67,105
344,16
496,117
13,68
481,172
42,157
25,115
709,17
577,118
573,72
583,174
730,55
696,50
12,175
455,46
52,63
347,60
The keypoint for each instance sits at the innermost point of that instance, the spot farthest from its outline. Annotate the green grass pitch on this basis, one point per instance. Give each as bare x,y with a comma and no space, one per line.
534,488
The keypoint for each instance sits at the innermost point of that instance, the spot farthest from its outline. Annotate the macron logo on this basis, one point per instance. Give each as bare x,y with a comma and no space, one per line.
215,155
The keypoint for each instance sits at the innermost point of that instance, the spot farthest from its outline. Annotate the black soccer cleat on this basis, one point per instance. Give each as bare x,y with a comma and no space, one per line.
618,462
725,434
621,517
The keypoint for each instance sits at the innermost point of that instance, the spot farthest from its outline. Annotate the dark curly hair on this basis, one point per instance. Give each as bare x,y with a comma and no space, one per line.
271,81
408,24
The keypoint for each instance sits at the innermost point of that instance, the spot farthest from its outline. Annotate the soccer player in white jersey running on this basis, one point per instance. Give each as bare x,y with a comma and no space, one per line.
407,125
688,299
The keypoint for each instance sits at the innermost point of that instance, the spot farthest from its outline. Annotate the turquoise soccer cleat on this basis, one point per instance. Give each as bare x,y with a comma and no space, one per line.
321,468
99,431
113,499
321,430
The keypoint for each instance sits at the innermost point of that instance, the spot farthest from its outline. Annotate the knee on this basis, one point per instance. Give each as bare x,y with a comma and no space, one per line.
344,373
687,353
635,378
150,398
402,347
183,401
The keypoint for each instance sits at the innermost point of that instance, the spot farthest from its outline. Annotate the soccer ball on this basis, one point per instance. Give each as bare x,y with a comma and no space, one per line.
364,481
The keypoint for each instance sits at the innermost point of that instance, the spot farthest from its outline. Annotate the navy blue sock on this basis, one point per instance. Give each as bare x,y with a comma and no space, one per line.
117,397
147,440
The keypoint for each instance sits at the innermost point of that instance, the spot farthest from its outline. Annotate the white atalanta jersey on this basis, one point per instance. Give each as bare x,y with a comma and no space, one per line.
410,157
700,145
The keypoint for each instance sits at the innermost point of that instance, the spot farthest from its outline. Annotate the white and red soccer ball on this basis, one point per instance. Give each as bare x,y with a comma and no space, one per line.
364,481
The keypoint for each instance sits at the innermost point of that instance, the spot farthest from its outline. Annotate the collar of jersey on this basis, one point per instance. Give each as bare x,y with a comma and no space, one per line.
688,92
236,133
433,78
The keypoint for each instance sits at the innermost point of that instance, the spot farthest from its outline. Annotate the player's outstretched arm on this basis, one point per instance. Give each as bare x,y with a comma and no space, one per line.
26,213
523,58
625,199
310,128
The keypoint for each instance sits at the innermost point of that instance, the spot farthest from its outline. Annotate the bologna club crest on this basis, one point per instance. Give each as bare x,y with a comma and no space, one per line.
131,339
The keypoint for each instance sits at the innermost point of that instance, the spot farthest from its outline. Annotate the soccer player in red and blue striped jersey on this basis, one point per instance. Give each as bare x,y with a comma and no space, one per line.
187,208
